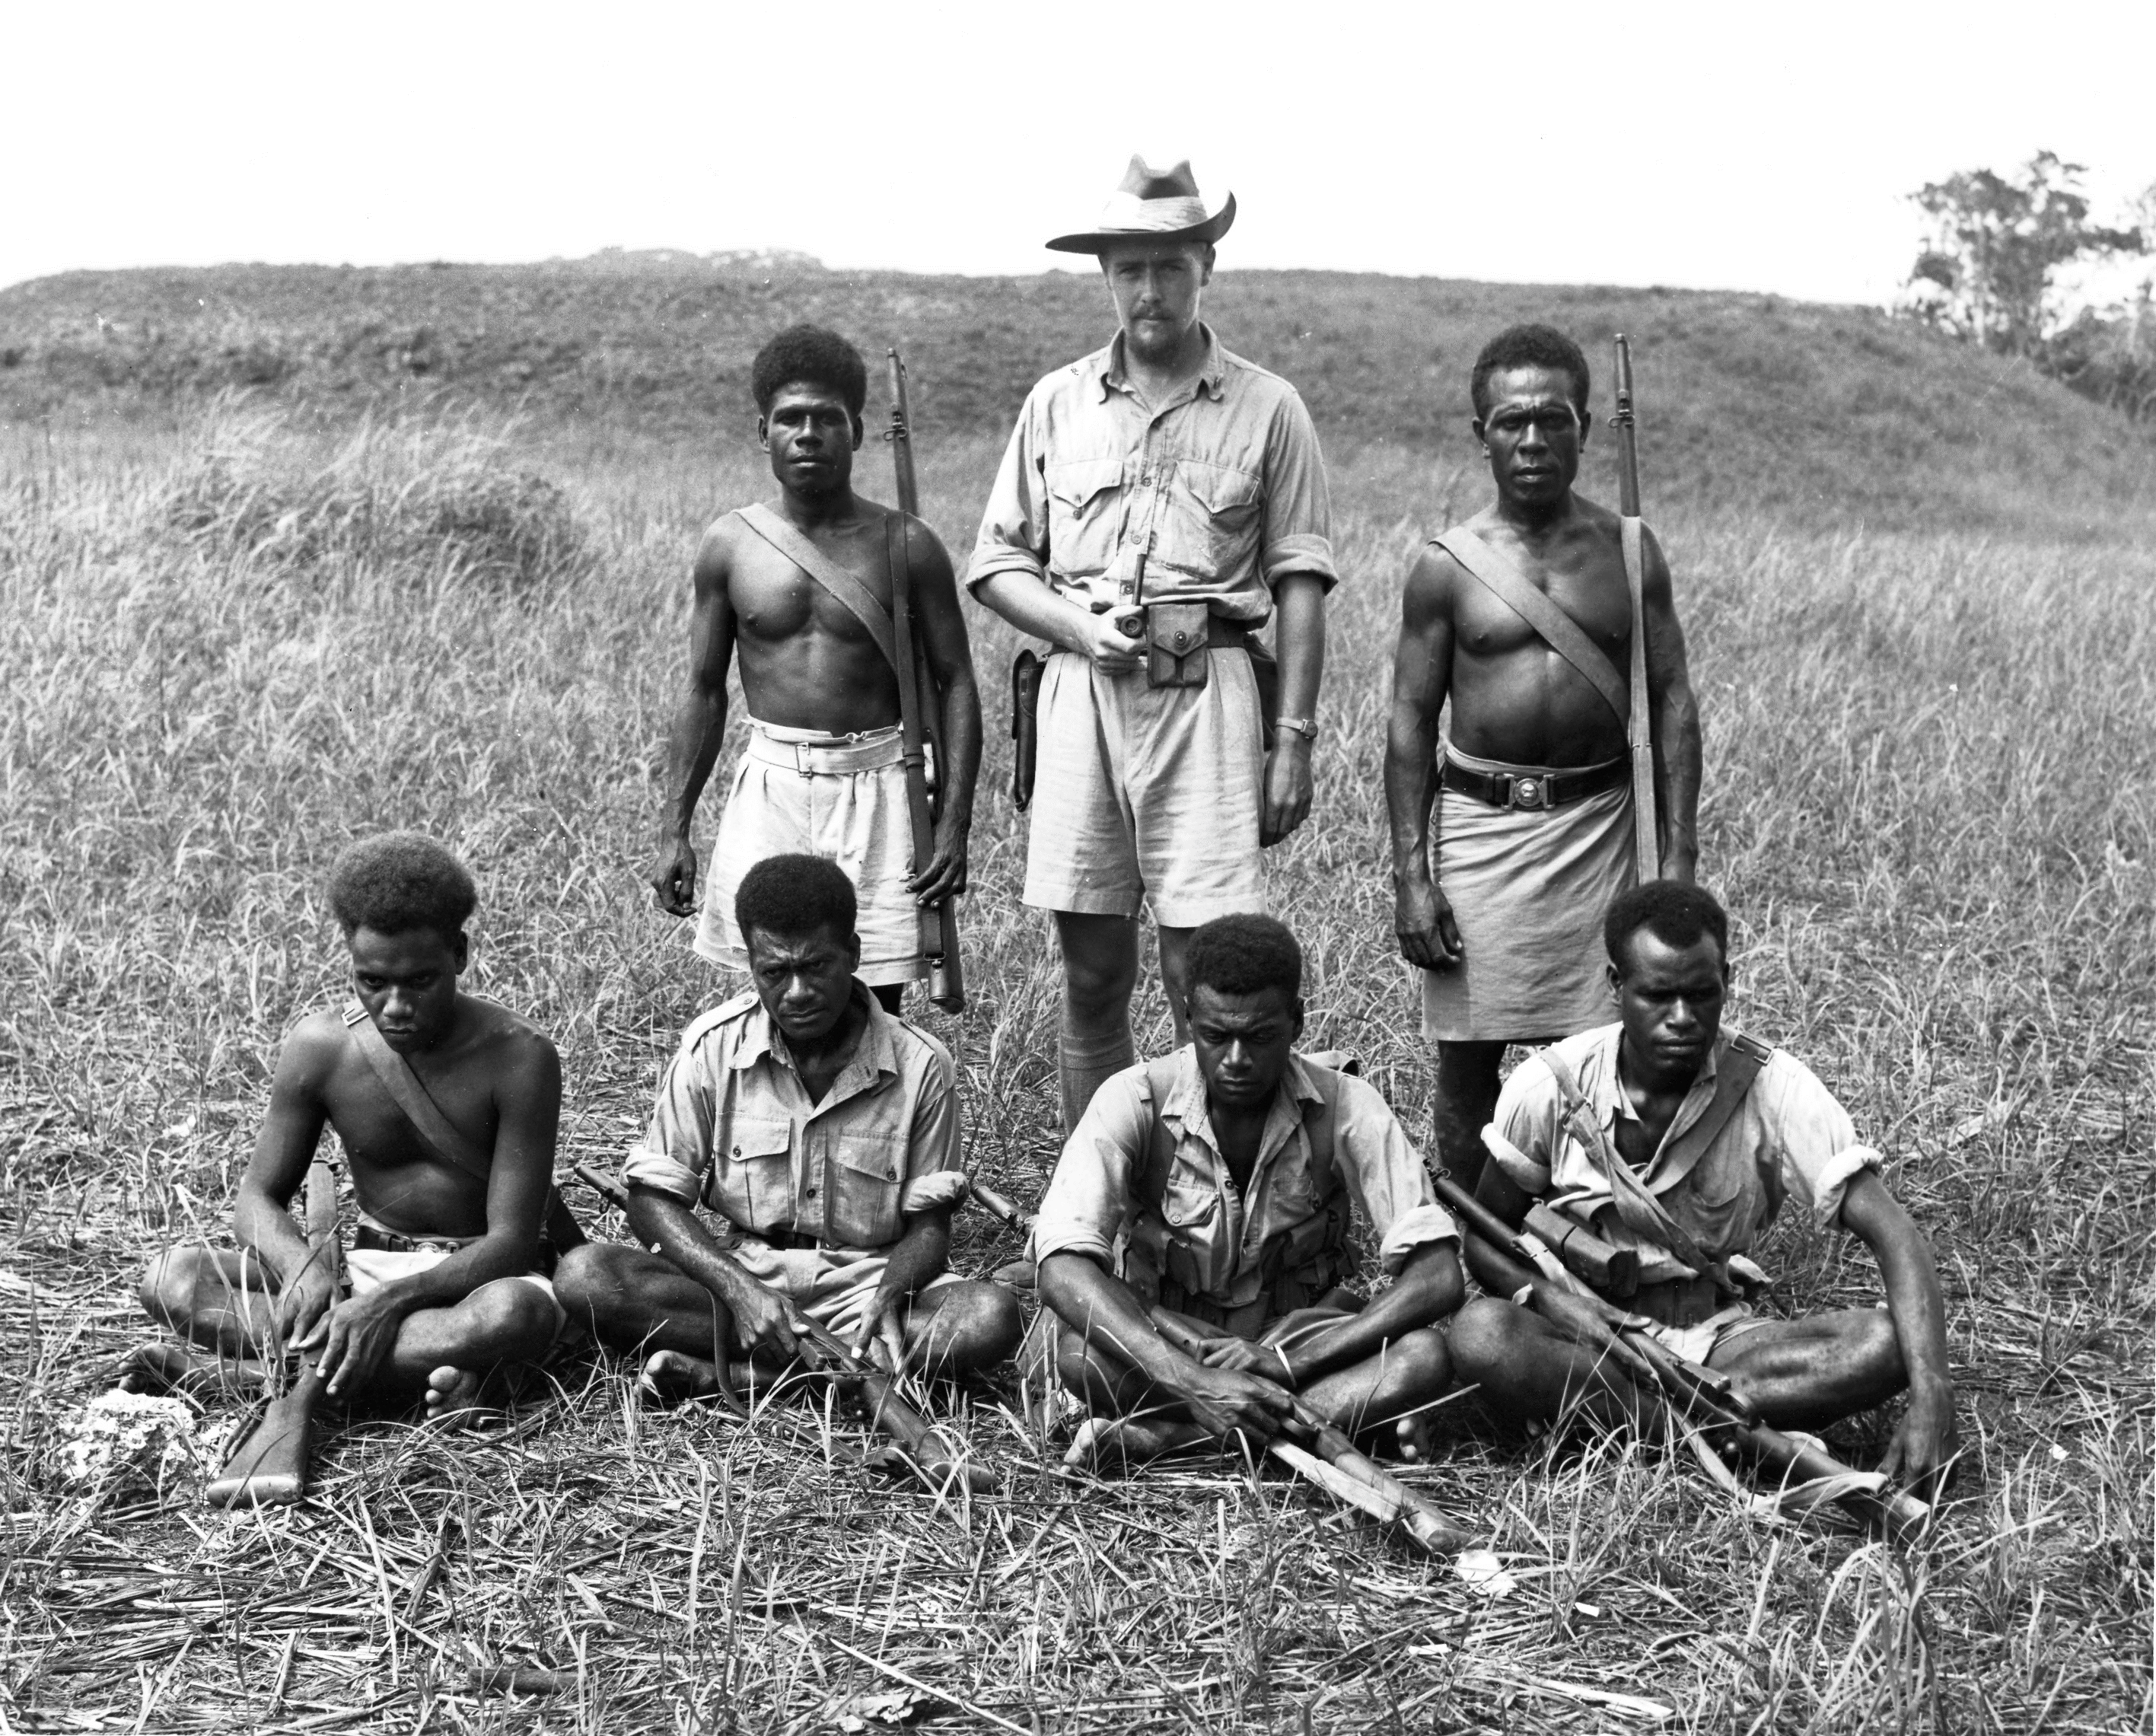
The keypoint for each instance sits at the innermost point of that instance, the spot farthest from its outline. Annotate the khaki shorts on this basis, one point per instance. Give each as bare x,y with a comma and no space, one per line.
1696,1343
1148,794
843,798
368,1270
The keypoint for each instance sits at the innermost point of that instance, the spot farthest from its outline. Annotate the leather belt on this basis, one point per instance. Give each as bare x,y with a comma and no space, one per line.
1514,789
828,759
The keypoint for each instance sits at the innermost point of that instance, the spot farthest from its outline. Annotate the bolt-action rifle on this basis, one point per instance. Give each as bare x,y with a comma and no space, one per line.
920,1444
270,1468
1647,833
939,921
1705,1400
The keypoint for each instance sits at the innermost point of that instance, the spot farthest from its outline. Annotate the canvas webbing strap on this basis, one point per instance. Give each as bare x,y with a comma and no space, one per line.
1734,1076
844,588
1564,635
436,1131
1643,1213
1646,832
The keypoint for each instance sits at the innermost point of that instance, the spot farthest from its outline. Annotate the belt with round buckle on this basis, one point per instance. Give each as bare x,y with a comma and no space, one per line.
1531,792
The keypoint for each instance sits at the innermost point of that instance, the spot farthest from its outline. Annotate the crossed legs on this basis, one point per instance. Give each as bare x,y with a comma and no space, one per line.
226,1302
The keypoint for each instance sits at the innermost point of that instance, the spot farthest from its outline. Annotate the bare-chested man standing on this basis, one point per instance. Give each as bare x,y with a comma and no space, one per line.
822,773
1533,835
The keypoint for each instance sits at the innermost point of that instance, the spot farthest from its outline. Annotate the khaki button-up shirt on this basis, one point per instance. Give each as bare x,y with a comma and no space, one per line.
1789,1137
734,1127
1221,488
1091,1194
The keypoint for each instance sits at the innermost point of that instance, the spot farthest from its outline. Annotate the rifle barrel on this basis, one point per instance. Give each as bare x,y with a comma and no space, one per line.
1628,450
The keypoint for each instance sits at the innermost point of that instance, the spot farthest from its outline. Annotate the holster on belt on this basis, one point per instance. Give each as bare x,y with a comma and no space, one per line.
1177,636
1025,726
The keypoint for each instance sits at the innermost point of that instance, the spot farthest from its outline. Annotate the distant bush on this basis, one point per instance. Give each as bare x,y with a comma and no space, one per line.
428,496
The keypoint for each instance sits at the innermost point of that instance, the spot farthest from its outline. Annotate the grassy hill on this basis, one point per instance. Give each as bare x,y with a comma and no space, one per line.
1836,416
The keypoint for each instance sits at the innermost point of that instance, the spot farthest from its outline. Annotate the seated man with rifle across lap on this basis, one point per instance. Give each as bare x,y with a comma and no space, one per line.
446,1106
822,1135
833,655
1669,1140
1193,1243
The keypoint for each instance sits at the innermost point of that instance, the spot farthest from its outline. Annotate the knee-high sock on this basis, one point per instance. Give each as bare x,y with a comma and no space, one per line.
1089,1054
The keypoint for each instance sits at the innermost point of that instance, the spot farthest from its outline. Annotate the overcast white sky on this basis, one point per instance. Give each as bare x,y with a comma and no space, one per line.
1705,146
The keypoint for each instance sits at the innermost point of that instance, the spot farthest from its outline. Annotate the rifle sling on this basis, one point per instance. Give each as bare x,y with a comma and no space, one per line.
1502,576
436,1131
843,587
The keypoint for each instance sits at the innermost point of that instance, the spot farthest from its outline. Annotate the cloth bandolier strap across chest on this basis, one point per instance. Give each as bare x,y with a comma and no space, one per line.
440,1135
1641,1211
1297,1269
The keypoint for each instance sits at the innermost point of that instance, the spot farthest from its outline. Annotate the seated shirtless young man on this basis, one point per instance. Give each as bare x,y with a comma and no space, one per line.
1672,1134
820,1135
1210,1192
443,1284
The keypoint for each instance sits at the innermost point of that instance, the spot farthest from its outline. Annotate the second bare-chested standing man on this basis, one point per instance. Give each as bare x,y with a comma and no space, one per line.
822,775
1533,835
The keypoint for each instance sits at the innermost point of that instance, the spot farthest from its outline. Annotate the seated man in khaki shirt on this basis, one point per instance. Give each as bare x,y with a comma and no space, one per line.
1674,1136
1213,1187
822,1135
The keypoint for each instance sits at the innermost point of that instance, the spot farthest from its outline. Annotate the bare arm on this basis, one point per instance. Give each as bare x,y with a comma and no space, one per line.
1299,601
921,1253
1422,675
763,1319
1430,1287
362,1331
1029,604
943,641
1105,1311
1925,1444
700,723
1674,719
285,1144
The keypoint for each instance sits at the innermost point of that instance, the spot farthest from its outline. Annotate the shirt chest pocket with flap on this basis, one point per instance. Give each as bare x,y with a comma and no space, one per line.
1211,528
859,1176
1085,502
752,1181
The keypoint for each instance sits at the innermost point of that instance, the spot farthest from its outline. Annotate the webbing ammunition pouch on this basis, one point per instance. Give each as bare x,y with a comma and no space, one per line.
1177,637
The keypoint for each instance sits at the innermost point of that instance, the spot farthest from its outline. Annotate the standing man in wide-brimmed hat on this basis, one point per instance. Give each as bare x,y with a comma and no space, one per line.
1160,500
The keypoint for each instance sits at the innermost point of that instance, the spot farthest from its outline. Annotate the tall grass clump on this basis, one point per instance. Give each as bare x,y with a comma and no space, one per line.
1928,759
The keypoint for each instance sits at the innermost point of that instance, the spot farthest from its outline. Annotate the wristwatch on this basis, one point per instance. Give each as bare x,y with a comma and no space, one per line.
1306,728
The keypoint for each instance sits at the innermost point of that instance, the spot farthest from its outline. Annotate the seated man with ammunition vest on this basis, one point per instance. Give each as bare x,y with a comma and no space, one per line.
1209,1193
822,1134
1674,1138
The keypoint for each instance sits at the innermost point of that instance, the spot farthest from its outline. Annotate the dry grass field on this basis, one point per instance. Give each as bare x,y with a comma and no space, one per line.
237,632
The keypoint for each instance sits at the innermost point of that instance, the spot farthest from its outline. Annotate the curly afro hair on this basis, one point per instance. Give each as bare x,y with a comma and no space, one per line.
1529,346
809,356
795,896
397,881
1243,955
1675,912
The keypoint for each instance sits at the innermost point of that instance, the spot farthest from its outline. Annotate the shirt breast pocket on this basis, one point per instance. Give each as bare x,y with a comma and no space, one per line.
867,1175
1084,515
1219,515
752,1173
1190,1208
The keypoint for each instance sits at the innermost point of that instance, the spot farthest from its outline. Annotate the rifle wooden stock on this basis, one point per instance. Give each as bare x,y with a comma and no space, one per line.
939,922
1640,731
1340,1466
997,1206
1701,1396
270,1468
923,1444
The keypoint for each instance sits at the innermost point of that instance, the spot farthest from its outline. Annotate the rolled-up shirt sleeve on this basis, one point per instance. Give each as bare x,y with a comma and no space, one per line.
1014,526
1523,1134
1819,1152
1090,1194
1298,524
935,1148
1388,1176
674,1154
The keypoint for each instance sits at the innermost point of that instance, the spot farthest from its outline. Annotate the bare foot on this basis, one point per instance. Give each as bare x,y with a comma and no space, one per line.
671,1376
452,1395
1417,1440
1104,1440
167,1367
